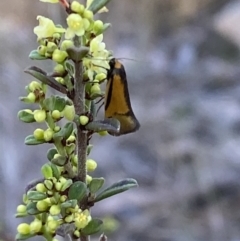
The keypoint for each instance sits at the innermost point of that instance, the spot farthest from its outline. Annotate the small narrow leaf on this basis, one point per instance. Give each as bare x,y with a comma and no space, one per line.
34,55
65,132
97,5
78,191
55,171
48,80
36,196
110,124
59,161
24,236
66,185
50,154
69,204
96,184
25,116
32,208
93,226
116,188
30,140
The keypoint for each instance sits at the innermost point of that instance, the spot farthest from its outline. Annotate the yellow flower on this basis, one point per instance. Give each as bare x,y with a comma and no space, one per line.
46,28
82,218
99,61
102,10
50,1
76,25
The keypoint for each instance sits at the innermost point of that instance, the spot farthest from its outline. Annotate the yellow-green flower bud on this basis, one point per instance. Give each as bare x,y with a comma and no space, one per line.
88,179
57,128
63,198
56,114
57,36
48,134
91,165
34,85
97,27
51,47
52,225
77,233
83,120
102,133
75,160
31,97
71,139
23,228
42,205
55,210
95,89
38,134
21,208
50,193
62,180
74,169
101,77
69,218
69,112
77,7
60,80
58,186
35,226
40,187
59,56
66,44
88,14
59,68
42,50
39,115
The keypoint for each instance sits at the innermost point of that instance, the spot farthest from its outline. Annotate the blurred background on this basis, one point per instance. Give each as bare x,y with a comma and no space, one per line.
185,91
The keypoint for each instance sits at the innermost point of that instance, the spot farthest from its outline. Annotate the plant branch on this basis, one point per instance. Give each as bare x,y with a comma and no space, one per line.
79,104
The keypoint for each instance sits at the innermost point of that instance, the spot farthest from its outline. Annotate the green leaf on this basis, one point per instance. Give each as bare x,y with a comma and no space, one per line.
97,5
59,161
96,184
34,55
50,154
36,196
93,226
48,80
20,215
69,67
77,54
69,204
46,170
24,236
30,140
32,209
50,120
55,103
89,148
78,191
110,124
65,132
55,171
116,188
66,185
25,116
